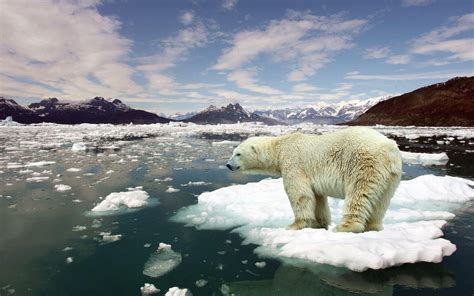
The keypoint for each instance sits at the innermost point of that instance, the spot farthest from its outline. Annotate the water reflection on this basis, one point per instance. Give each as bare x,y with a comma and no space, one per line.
303,279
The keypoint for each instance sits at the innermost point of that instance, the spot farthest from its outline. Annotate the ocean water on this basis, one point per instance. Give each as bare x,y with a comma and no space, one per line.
37,222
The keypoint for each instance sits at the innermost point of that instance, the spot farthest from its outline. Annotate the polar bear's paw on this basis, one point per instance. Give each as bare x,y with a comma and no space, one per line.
303,223
355,227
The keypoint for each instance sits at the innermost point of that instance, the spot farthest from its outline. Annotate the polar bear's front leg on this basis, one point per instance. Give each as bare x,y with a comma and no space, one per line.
302,202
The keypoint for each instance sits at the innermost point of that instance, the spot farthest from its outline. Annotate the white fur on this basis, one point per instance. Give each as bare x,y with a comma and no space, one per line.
358,164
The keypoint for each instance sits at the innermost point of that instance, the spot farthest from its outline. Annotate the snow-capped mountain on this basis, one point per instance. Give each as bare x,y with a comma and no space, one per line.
9,107
181,116
231,113
322,112
96,110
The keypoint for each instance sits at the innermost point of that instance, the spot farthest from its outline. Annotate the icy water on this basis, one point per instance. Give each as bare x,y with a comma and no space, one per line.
50,244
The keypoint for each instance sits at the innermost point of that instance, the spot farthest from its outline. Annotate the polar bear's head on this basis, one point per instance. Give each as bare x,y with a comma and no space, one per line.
251,156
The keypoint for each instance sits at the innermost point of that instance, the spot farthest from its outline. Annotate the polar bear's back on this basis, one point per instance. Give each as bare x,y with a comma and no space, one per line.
334,160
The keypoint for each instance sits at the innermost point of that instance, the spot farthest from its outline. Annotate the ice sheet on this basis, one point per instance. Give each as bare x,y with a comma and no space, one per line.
425,158
412,229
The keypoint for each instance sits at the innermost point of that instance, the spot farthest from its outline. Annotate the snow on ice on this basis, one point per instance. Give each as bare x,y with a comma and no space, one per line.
425,158
412,227
162,261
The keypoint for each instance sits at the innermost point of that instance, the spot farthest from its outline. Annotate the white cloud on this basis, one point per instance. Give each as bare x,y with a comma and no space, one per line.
304,87
408,3
175,49
62,45
245,79
186,17
409,76
305,40
398,59
441,40
229,4
376,52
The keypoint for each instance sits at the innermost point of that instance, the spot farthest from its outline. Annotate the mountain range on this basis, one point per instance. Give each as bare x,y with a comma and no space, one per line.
450,103
232,113
322,113
96,110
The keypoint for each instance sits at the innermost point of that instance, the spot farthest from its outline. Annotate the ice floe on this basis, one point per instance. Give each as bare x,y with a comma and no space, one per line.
149,289
162,261
196,183
201,283
107,237
171,189
425,158
175,291
412,228
62,187
76,147
117,200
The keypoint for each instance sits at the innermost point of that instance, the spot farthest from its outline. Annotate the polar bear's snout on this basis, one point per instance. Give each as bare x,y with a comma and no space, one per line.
231,164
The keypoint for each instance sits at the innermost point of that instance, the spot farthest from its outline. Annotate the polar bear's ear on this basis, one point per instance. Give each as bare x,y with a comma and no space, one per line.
254,148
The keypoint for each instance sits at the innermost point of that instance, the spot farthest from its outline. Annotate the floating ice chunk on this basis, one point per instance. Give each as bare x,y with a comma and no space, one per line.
9,122
69,260
412,228
167,179
107,237
260,264
76,147
425,158
171,189
67,249
73,170
115,200
226,143
37,179
39,164
175,291
196,183
23,172
62,187
201,283
79,228
148,289
162,261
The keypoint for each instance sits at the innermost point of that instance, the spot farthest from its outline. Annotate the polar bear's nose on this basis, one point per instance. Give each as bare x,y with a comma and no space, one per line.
229,166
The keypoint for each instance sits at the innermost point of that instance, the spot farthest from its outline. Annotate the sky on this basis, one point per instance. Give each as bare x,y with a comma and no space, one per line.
170,56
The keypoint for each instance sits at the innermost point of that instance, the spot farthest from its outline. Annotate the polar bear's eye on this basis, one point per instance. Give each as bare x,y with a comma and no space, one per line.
238,154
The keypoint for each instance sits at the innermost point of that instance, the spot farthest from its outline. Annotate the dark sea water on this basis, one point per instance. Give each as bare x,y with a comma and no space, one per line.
36,224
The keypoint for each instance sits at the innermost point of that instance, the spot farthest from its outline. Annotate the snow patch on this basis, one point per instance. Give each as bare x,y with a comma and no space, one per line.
412,227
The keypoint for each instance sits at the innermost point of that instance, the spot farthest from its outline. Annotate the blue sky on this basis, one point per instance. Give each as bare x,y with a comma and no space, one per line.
180,56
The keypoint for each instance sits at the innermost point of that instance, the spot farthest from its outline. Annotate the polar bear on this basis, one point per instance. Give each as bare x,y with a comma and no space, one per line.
356,163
